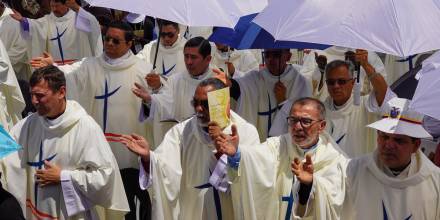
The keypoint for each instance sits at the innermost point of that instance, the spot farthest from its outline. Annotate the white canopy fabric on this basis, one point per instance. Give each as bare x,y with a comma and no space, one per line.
222,13
426,99
398,27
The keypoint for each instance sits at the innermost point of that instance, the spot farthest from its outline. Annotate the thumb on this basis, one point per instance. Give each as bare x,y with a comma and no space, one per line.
234,130
47,164
46,54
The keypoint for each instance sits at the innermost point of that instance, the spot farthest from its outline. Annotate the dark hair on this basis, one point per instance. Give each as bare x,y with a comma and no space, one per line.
124,26
54,77
163,22
336,64
201,43
312,101
60,1
214,82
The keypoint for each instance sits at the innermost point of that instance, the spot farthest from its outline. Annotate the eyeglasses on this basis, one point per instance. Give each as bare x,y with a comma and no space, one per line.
167,34
203,103
341,82
305,122
114,40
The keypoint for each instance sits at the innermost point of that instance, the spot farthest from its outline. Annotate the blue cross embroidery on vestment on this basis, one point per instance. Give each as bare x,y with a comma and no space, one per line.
340,139
39,165
60,45
218,207
105,97
385,214
166,71
289,200
269,113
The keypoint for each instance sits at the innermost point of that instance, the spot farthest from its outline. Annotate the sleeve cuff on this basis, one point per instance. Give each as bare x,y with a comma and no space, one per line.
73,200
145,178
234,161
82,21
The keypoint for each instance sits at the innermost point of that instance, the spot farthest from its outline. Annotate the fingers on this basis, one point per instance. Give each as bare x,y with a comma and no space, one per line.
139,86
296,166
137,137
308,159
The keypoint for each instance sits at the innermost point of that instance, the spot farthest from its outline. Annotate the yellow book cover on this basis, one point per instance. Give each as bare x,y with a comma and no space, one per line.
218,102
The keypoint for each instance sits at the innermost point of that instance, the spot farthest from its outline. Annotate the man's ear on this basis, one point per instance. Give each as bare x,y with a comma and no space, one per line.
417,144
208,58
322,125
62,92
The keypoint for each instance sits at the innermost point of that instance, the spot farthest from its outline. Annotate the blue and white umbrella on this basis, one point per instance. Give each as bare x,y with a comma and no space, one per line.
7,143
248,35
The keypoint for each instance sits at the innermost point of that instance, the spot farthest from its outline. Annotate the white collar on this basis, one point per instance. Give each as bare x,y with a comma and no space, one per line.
117,60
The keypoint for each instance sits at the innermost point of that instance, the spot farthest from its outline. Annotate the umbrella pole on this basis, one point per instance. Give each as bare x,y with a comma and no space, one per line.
157,46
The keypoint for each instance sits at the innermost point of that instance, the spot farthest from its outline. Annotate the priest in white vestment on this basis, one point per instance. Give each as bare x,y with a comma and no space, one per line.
14,43
66,169
346,120
271,177
11,100
311,70
184,169
69,33
235,63
169,58
172,102
103,86
261,94
396,181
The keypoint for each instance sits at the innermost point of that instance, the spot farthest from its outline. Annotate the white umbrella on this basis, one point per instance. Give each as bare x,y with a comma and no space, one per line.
398,27
222,13
426,98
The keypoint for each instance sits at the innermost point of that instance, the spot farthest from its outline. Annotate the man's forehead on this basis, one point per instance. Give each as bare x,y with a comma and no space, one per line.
304,110
191,51
115,32
339,71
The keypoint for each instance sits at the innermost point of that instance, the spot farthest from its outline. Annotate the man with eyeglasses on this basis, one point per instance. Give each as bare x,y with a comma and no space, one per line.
273,174
346,120
313,70
169,59
261,94
69,32
103,86
186,172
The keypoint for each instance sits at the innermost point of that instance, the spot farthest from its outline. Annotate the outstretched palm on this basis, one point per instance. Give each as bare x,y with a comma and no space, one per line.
303,171
137,144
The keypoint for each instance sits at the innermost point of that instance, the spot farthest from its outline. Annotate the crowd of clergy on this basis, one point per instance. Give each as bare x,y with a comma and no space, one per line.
112,115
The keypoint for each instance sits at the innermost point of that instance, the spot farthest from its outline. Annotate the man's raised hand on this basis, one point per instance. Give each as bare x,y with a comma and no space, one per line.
228,144
137,144
303,171
141,92
45,60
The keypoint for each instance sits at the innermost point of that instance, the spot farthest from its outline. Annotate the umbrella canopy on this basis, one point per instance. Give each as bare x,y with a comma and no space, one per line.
401,28
222,13
248,35
426,97
7,144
